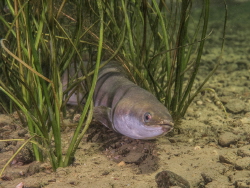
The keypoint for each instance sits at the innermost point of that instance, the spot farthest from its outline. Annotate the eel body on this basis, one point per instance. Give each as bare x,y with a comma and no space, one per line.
126,108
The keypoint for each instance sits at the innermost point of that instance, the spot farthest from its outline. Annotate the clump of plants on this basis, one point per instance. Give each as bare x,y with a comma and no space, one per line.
42,39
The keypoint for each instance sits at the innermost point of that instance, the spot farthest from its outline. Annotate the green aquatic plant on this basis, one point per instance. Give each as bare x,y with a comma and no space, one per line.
33,59
163,45
160,43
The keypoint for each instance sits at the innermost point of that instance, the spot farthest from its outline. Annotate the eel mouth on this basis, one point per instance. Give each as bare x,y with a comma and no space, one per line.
158,131
166,128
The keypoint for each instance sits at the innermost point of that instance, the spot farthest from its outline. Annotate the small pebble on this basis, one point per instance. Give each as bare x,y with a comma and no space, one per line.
244,151
73,182
20,185
217,103
199,103
243,163
207,179
167,178
228,158
208,100
197,148
235,106
76,117
105,173
245,120
122,163
228,138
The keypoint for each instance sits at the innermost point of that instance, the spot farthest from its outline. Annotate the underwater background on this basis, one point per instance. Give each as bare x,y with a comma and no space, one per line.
210,148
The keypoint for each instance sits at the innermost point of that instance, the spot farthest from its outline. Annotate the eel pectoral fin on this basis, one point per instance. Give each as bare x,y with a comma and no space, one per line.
102,114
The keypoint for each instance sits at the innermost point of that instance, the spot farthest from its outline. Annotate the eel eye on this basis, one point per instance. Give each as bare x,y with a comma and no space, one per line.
147,117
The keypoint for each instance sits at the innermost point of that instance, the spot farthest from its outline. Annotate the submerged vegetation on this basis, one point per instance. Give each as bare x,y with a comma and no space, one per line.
160,42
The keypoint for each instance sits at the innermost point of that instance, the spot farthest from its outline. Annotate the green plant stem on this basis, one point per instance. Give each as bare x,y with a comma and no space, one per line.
180,55
72,146
197,62
165,36
132,49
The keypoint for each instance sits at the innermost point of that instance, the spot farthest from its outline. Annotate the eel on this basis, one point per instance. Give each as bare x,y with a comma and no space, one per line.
126,108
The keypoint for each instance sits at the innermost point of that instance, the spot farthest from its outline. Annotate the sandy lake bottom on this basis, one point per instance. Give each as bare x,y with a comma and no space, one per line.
210,148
